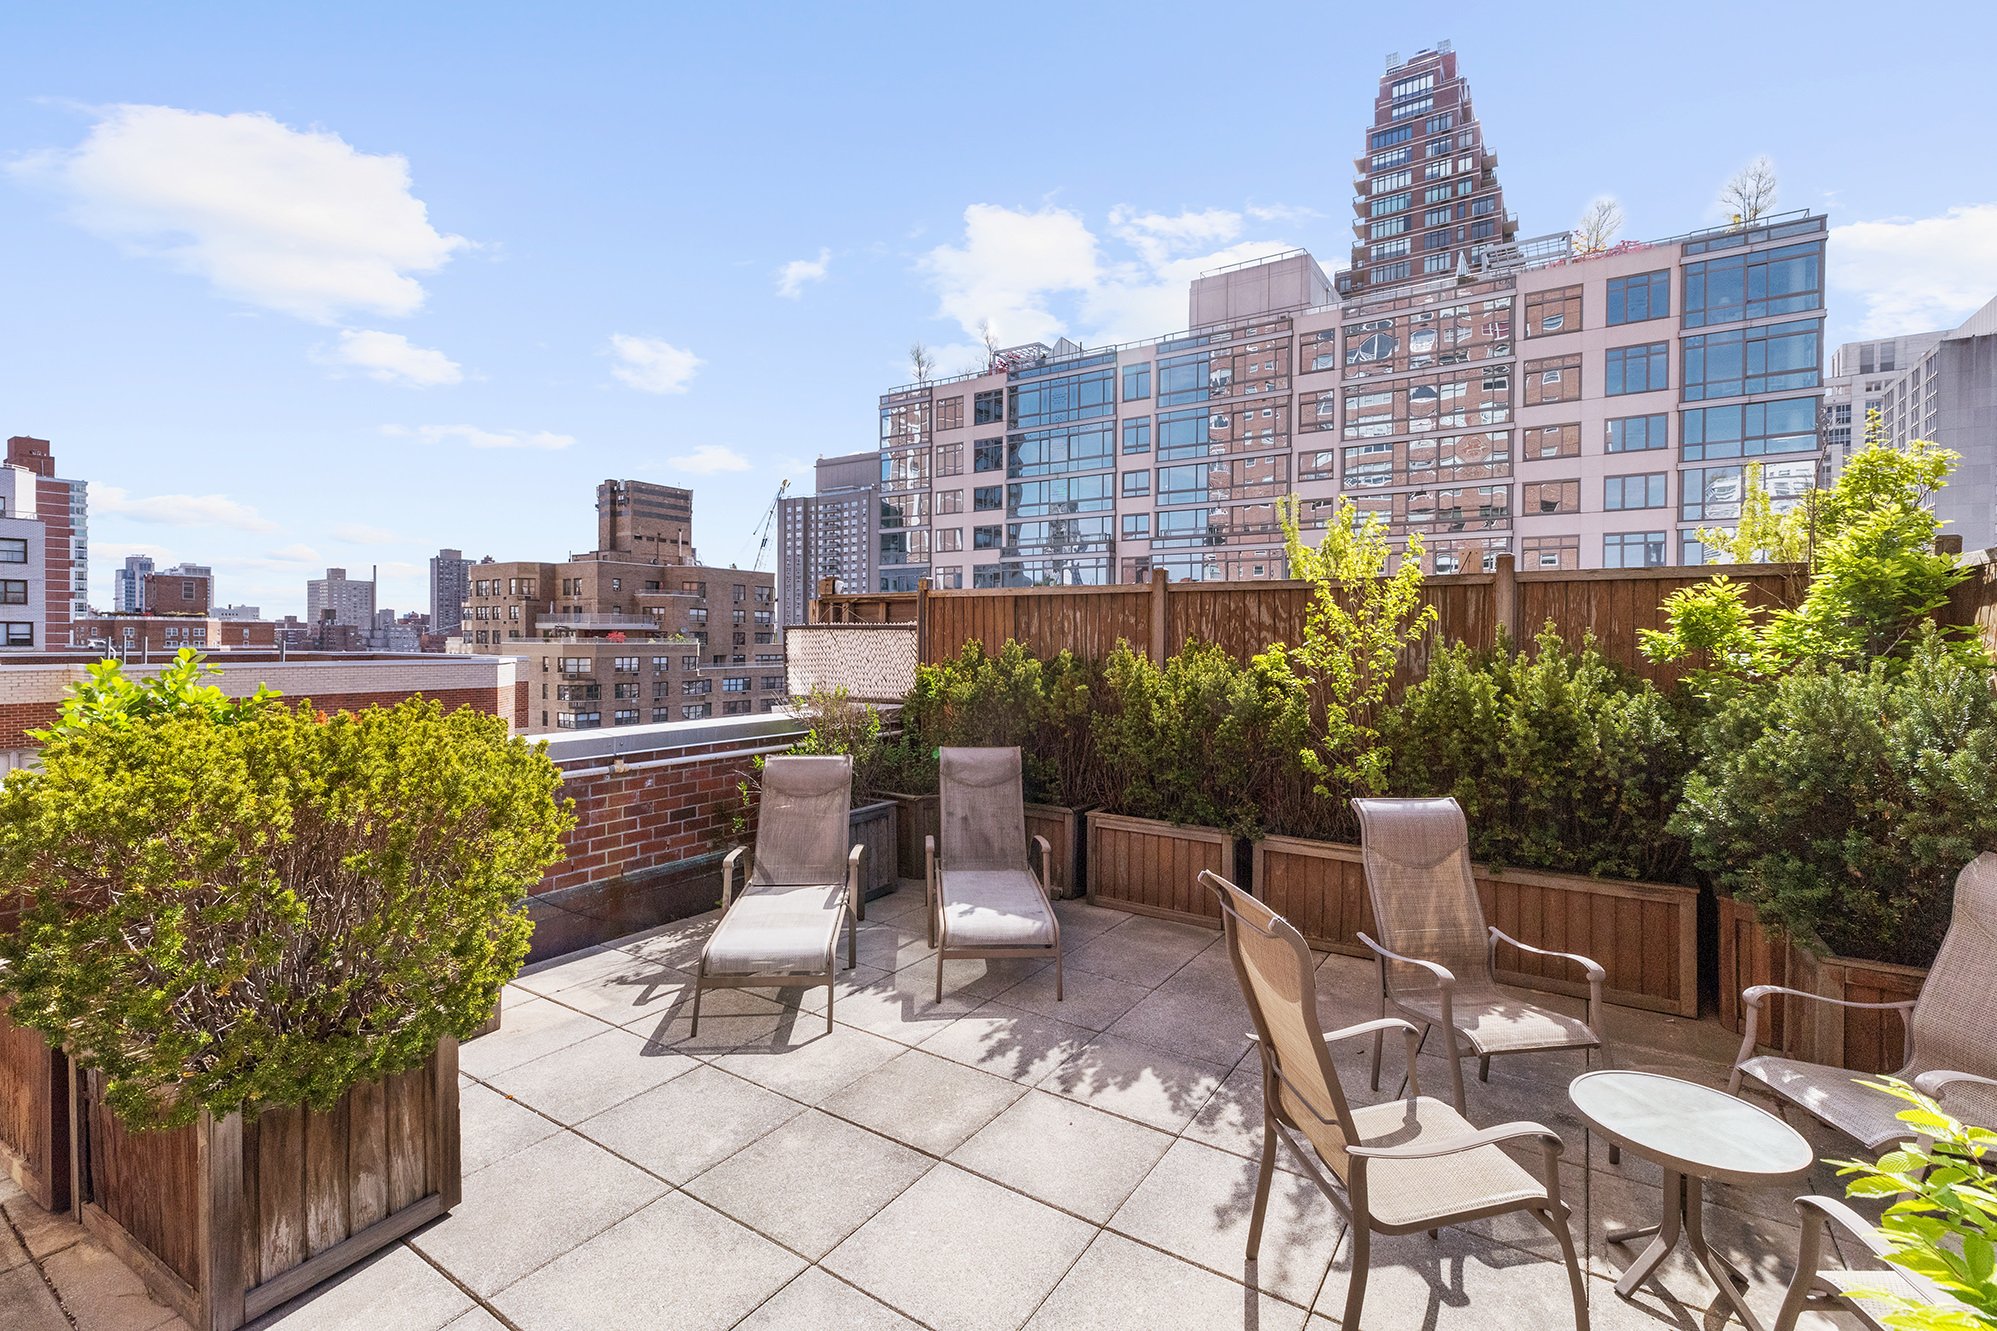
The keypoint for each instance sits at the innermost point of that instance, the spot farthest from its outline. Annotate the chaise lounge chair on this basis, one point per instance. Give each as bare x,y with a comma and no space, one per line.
984,898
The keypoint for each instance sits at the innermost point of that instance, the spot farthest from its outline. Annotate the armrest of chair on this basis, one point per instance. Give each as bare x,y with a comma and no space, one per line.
1751,998
929,885
1820,1209
1593,970
1469,1141
1380,1026
1932,1084
1046,857
728,867
1442,973
856,897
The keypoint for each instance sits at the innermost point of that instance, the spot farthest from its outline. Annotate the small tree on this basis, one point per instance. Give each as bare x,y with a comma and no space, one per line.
107,696
990,341
921,362
1750,195
1599,226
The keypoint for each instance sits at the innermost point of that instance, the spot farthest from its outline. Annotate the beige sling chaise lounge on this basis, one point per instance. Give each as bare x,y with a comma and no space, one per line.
1951,1052
783,928
984,898
1395,1168
1436,952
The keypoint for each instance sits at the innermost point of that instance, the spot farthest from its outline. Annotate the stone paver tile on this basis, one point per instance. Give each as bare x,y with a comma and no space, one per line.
492,1127
811,1182
478,1319
530,1208
890,947
806,1063
1197,1203
12,1254
1080,920
903,908
729,1018
674,1264
631,988
1087,999
1458,1282
901,1005
1142,951
1066,1154
677,944
1199,1020
1232,1119
685,1126
1009,1042
1119,1284
1138,1081
394,1290
590,1076
961,1254
43,1232
816,1301
924,1101
26,1304
103,1294
527,1032
586,966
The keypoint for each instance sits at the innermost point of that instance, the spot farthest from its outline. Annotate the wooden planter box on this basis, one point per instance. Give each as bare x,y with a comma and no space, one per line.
34,1114
916,817
225,1220
1152,868
1062,827
1751,954
874,827
1645,935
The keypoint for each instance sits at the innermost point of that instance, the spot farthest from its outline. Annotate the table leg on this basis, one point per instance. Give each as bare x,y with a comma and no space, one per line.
1722,1272
1667,1231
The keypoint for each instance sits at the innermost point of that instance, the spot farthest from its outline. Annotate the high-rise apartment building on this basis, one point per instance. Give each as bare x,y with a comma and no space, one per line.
1427,201
128,584
62,507
1946,391
185,590
829,534
338,599
450,574
639,518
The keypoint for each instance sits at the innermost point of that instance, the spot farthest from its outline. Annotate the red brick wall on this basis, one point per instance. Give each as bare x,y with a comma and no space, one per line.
52,507
638,820
520,701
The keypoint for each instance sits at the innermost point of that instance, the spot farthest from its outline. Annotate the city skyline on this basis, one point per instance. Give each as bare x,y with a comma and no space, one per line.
563,298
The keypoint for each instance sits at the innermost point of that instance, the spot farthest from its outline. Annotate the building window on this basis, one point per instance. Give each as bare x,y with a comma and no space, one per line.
626,665
949,540
1714,494
13,593
1639,369
1136,483
21,635
1636,434
624,717
661,714
989,408
1555,311
694,688
950,413
1550,497
950,459
1137,435
988,455
948,579
13,550
1768,359
578,720
694,711
986,538
1137,526
1635,299
737,707
1552,441
1753,286
689,663
735,685
1392,272
950,501
988,498
1646,491
1544,552
1555,379
772,681
1136,382
1633,549
1751,430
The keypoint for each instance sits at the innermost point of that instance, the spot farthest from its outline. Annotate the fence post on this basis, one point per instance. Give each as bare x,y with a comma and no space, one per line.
1160,583
1505,600
922,621
819,609
1948,545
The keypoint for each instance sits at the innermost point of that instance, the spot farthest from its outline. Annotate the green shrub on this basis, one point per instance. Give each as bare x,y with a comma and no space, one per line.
1843,803
235,912
1011,699
1561,759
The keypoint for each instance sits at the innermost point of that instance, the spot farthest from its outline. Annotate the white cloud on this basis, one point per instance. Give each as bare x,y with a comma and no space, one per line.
297,221
359,533
1014,267
296,554
1917,274
652,366
709,459
477,438
793,275
179,510
390,358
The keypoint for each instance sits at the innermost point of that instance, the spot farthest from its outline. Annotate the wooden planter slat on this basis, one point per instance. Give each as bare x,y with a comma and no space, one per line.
1645,935
225,1220
1061,826
874,827
915,818
34,1114
1859,1039
1151,868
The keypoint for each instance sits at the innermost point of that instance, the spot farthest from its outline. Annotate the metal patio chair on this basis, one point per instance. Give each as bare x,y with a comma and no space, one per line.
782,930
984,898
1437,955
1395,1168
1816,1289
1950,1049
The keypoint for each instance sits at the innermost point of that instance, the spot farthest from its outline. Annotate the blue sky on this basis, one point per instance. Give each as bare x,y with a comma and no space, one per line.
296,289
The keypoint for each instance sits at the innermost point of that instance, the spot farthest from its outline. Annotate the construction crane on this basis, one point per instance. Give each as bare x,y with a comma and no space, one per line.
768,526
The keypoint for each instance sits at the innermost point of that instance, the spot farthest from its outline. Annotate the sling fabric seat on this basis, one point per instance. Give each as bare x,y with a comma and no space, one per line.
984,898
782,931
1949,1049
1813,1289
1437,955
1395,1168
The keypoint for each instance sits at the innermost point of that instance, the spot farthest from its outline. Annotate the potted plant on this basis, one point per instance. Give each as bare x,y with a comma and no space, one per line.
259,932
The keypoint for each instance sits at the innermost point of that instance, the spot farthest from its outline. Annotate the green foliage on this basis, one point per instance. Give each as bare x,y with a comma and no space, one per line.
1360,621
111,698
839,725
230,912
1942,1222
1013,698
1561,759
1843,802
1205,740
